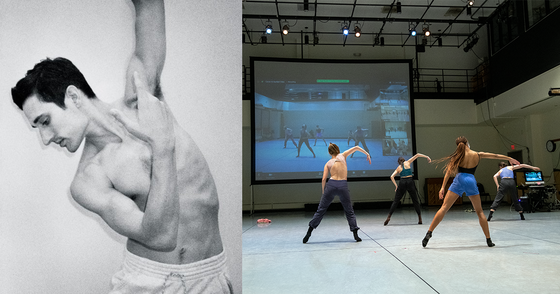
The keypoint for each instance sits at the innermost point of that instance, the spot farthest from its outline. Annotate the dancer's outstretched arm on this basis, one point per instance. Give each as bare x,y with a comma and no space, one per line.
354,149
525,166
413,158
488,155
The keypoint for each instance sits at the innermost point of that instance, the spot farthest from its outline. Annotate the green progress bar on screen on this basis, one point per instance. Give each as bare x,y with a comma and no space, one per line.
333,81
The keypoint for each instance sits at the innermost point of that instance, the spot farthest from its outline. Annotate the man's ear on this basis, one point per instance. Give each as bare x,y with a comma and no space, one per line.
73,96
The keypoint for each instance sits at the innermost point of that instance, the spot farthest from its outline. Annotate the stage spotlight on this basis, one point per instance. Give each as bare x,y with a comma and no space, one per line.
285,29
471,43
357,31
411,29
426,30
399,7
470,2
268,29
345,30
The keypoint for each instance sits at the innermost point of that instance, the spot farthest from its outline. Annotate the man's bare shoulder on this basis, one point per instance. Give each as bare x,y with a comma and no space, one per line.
90,179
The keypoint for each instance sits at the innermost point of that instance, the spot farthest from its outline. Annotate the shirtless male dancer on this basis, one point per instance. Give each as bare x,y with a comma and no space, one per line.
139,170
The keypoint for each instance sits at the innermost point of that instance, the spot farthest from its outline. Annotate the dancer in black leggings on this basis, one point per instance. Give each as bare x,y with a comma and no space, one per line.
360,137
406,183
304,138
336,185
507,186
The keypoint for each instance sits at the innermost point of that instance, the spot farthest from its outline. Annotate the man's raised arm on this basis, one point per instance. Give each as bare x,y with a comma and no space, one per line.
149,53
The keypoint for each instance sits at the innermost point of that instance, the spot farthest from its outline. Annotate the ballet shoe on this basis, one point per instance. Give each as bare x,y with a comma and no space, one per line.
358,239
489,242
522,216
426,239
386,221
419,220
306,238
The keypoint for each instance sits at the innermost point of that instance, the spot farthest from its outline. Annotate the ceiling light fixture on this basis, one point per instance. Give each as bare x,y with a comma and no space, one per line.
345,30
285,29
411,29
357,31
268,29
426,30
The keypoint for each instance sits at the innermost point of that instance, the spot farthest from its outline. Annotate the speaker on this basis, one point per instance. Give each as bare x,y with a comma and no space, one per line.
525,203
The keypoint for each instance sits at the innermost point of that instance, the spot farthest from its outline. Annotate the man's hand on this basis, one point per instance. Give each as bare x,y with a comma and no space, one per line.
155,122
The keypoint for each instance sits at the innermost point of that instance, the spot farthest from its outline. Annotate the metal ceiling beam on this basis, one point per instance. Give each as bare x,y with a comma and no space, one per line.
349,44
386,34
372,19
362,4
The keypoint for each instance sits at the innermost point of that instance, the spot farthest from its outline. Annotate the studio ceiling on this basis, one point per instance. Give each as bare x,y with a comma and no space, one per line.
324,19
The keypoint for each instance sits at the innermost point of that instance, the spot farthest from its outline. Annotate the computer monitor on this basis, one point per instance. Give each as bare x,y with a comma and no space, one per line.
534,178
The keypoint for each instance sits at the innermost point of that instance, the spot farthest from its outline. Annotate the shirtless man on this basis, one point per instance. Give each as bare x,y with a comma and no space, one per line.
139,170
336,185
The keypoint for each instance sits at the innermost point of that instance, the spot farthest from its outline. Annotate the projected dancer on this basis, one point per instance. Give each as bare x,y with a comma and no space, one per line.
462,164
304,138
139,170
507,185
351,136
288,136
406,183
359,137
319,135
336,185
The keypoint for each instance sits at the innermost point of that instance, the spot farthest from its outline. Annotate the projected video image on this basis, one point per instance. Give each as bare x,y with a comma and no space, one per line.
535,176
299,107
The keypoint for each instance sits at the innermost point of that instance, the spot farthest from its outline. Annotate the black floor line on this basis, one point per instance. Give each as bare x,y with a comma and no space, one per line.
401,262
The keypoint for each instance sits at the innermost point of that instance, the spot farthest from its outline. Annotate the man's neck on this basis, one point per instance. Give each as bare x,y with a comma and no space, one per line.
102,128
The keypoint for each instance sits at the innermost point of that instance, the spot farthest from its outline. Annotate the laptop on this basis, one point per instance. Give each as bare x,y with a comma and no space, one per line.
534,178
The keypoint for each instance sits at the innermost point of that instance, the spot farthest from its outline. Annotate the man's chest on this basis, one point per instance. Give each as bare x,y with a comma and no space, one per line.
128,167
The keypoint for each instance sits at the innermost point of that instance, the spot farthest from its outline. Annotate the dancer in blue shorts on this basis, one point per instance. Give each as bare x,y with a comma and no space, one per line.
462,164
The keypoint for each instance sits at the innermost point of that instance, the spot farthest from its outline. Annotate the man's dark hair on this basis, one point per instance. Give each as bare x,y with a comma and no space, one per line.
49,80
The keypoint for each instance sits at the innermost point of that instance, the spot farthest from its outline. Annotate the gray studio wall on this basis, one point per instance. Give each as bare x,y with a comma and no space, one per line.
438,123
48,244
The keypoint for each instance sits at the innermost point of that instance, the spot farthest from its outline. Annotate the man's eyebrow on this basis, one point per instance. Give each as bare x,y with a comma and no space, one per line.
34,124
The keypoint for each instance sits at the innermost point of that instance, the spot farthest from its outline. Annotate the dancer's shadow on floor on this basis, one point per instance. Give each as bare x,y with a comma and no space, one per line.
403,225
471,247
